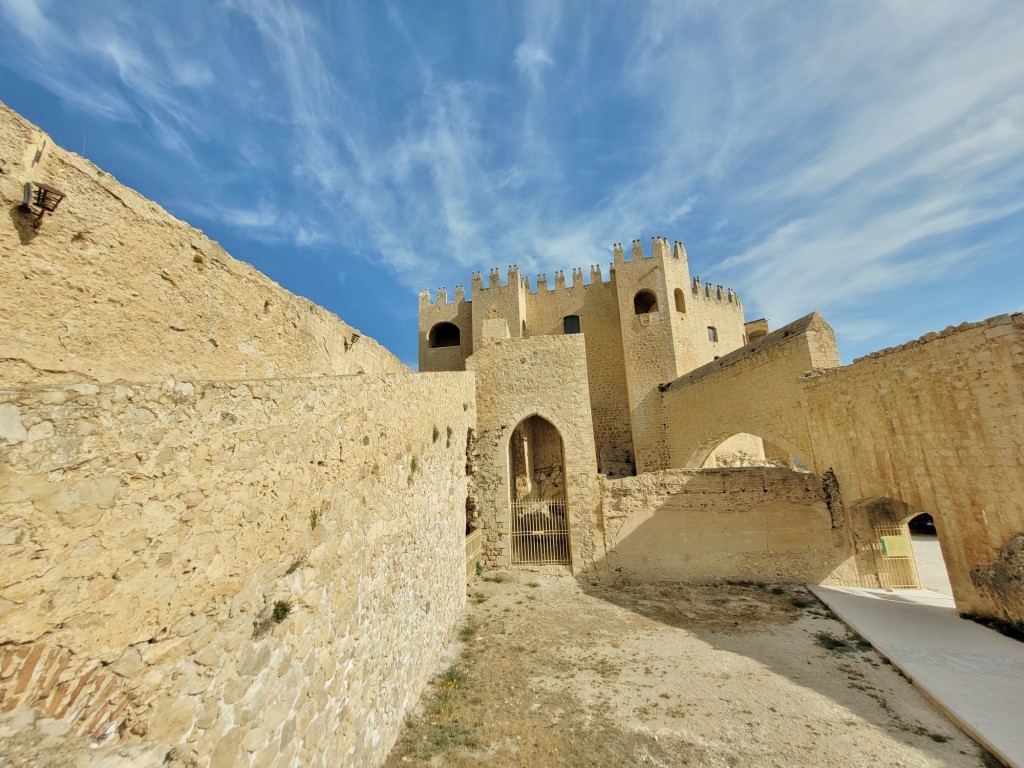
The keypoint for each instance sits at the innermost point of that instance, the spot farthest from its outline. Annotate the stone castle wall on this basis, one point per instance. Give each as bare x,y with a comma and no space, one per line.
752,390
939,424
756,524
597,307
936,424
515,379
148,531
113,287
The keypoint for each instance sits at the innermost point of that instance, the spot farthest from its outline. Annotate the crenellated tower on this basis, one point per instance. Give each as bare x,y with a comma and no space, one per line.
645,325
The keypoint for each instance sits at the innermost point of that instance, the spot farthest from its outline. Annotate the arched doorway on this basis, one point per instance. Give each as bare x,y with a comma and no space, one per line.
539,519
931,566
885,551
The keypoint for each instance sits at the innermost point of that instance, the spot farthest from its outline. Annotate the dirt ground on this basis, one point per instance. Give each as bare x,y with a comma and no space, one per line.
549,672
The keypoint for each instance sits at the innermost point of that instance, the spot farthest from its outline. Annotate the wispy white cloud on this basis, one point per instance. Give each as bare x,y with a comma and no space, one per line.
811,155
532,60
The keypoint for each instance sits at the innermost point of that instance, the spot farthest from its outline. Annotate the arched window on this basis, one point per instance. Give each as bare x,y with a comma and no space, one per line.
571,324
680,301
645,302
712,333
444,335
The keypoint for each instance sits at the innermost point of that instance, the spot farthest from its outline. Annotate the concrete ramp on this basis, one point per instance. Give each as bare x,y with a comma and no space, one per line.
971,673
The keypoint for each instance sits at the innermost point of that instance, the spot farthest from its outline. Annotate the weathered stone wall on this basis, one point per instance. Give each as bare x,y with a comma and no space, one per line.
149,530
939,424
111,287
596,304
757,524
752,390
515,379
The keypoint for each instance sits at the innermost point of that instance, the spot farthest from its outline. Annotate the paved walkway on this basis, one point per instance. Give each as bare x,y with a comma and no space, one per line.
972,673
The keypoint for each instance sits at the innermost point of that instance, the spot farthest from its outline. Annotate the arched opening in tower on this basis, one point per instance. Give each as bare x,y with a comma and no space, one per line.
444,335
645,302
537,494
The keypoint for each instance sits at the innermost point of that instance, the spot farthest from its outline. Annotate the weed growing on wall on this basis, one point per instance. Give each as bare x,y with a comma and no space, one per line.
270,616
281,610
314,518
412,466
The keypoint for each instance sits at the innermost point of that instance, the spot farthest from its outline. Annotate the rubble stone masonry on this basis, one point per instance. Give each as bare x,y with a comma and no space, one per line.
150,532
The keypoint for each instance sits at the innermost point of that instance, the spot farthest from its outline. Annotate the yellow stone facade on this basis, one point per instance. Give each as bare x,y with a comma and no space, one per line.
645,326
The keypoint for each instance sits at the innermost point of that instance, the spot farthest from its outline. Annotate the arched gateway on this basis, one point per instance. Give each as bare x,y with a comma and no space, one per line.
540,521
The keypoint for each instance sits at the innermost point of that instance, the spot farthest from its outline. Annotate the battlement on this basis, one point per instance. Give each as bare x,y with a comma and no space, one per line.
576,280
659,250
714,292
442,296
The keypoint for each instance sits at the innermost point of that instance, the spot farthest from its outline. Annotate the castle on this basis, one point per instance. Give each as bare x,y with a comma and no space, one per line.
647,325
233,524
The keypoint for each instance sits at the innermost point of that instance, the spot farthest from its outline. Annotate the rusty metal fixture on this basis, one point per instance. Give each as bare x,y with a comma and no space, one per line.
41,199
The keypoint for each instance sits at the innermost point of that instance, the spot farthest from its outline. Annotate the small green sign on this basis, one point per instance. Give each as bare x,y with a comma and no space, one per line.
896,546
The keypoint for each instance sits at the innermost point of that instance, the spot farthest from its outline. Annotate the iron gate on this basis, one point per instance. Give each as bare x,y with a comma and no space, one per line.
897,568
540,533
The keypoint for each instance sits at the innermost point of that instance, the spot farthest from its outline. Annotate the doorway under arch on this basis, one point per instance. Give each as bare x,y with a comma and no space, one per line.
742,449
931,566
537,494
885,553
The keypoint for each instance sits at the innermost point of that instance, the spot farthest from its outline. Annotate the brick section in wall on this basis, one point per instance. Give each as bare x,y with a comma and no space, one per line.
58,684
273,566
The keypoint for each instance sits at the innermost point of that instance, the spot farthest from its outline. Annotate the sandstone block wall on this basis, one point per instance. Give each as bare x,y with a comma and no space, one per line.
515,379
936,424
113,287
596,305
149,530
939,424
757,524
752,390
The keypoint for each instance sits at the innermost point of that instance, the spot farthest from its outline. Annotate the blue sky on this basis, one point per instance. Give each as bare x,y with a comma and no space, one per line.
860,158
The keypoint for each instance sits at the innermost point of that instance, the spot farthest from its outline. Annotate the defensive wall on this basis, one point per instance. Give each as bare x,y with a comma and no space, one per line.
936,424
151,531
754,524
110,286
259,557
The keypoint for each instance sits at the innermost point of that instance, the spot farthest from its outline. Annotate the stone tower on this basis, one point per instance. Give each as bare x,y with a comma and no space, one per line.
644,326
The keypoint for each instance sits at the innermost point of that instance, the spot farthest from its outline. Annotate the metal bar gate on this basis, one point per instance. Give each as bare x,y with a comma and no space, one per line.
897,568
540,533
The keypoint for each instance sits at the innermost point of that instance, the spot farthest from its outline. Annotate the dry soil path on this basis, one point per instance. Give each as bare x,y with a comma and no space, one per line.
549,672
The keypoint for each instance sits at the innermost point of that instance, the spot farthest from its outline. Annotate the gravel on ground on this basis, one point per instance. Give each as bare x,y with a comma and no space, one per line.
550,671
